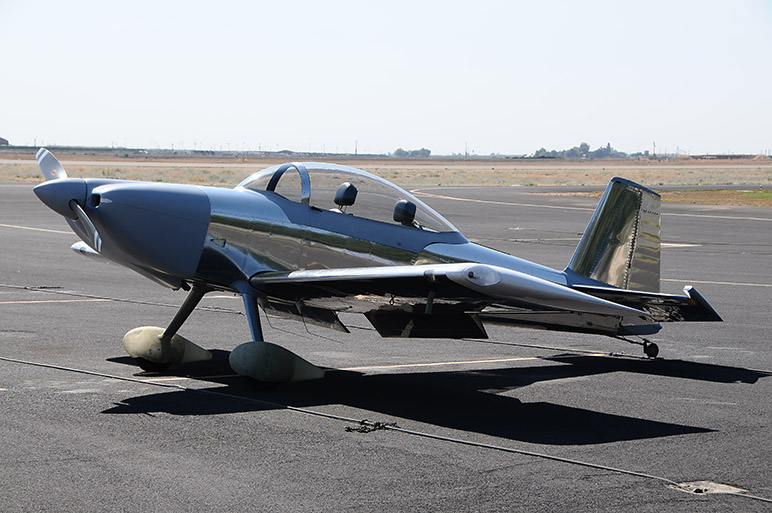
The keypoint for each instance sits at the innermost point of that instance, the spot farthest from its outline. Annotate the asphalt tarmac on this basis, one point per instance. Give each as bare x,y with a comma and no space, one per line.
525,421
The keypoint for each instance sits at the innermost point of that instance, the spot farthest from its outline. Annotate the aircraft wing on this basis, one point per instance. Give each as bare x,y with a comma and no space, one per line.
450,300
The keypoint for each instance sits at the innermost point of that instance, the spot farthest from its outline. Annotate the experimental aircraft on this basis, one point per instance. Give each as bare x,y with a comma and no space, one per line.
311,240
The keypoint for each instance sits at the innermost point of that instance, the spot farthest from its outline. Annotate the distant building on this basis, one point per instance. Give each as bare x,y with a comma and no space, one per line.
3,142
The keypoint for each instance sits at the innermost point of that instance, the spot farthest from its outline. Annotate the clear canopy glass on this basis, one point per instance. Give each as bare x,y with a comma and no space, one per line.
375,198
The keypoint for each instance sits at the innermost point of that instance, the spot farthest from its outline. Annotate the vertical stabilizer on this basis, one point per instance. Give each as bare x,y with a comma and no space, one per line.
621,244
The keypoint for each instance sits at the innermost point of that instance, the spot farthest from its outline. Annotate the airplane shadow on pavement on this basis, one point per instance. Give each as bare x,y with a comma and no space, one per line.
461,400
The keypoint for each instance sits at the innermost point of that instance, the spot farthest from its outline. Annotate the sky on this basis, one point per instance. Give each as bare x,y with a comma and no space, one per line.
505,77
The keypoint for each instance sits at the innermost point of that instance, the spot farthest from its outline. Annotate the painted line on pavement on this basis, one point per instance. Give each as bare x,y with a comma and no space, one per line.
419,192
738,284
35,229
37,301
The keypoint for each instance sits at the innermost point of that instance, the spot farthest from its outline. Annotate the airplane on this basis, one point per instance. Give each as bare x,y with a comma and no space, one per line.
311,240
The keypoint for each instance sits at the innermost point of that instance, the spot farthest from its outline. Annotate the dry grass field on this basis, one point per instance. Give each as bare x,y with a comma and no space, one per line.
750,197
207,170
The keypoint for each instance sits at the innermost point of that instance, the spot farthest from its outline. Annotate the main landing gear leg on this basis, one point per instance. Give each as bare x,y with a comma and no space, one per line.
156,348
253,317
264,362
190,304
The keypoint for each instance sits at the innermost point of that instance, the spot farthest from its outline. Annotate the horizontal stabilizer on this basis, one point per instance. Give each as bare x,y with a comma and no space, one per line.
661,307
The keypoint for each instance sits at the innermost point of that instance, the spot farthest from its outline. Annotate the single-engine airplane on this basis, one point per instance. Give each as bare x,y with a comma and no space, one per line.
310,240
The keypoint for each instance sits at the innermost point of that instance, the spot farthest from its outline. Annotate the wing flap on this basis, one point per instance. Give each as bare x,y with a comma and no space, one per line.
305,313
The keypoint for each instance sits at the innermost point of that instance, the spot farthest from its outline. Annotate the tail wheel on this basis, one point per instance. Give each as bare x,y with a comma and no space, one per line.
650,349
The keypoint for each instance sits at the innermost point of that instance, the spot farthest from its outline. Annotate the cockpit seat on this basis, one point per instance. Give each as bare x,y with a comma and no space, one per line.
345,195
404,212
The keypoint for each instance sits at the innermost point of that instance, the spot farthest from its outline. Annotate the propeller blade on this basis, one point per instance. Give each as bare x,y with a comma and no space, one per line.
65,196
85,228
52,168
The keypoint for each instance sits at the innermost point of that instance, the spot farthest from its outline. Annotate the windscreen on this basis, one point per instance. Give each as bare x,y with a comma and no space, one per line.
375,197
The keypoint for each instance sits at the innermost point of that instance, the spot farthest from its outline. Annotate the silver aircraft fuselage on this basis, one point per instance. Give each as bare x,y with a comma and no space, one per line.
175,233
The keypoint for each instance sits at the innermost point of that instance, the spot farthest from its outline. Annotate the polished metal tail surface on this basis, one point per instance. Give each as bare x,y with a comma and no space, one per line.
621,245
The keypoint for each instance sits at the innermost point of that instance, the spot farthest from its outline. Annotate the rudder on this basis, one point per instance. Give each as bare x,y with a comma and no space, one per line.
621,245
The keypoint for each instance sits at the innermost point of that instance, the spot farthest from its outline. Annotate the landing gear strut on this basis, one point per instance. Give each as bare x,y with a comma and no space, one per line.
156,348
266,363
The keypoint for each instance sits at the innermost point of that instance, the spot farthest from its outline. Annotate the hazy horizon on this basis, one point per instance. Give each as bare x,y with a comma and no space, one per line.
218,150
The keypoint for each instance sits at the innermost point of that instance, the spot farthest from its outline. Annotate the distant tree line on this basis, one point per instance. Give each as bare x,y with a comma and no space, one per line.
582,151
423,152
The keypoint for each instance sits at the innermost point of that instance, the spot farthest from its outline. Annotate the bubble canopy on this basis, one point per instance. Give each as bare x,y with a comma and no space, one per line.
315,183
